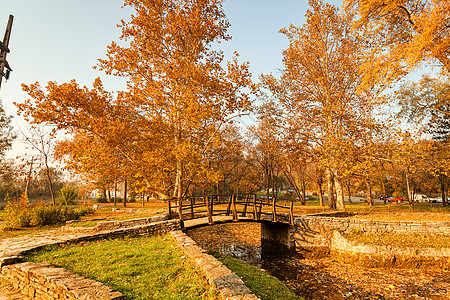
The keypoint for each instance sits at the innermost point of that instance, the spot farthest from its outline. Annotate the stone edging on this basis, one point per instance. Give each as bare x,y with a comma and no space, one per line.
111,225
43,281
347,225
339,242
227,283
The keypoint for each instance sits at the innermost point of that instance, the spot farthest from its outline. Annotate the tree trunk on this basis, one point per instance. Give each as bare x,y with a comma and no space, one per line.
125,187
384,188
339,191
369,192
443,188
115,190
49,179
410,199
27,185
348,190
319,183
303,189
331,201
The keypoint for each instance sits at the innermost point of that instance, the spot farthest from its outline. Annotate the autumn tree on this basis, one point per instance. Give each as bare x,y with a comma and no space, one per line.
319,92
42,141
9,179
92,160
408,32
427,102
7,134
179,94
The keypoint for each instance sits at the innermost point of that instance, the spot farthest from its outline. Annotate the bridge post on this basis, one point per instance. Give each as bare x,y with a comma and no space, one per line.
212,208
274,210
291,213
229,205
260,208
170,208
180,208
208,210
233,204
192,207
255,209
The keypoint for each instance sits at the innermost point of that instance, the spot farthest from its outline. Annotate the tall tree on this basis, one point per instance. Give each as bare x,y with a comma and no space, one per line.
42,142
319,87
179,95
7,134
428,102
408,31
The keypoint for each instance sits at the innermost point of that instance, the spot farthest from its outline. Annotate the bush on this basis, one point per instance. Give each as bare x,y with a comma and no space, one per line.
18,214
67,196
102,200
47,215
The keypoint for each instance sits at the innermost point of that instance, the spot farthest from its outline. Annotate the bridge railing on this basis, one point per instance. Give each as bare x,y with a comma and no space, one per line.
246,206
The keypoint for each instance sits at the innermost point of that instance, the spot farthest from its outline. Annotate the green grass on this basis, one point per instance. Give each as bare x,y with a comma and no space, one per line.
259,281
139,267
416,241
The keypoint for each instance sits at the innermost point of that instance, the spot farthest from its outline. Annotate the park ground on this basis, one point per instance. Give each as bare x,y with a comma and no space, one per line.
320,276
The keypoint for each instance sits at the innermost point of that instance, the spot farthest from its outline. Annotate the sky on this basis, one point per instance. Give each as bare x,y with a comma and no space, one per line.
61,40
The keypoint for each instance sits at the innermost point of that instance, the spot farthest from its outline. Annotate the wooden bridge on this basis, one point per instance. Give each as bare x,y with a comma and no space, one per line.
245,206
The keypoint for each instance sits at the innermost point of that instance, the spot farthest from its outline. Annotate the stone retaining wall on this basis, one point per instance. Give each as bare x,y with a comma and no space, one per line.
111,225
42,281
227,283
340,243
316,230
387,255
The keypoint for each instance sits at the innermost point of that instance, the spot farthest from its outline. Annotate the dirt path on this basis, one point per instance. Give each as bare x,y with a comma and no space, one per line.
324,278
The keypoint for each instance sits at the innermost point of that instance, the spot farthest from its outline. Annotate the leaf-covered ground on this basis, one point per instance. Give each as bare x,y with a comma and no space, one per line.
322,277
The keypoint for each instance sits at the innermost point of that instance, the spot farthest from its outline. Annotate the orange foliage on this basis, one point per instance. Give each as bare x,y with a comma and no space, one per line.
178,96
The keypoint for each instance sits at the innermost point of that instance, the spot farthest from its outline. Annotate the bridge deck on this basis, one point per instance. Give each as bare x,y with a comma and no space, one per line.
192,223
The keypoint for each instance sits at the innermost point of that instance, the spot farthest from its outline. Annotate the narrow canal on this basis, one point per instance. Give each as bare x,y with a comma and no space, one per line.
316,275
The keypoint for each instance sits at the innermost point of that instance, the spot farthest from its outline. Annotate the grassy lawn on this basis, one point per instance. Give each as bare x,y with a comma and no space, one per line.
149,267
401,240
259,281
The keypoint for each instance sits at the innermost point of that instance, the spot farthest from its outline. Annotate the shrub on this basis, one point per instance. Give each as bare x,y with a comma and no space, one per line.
102,200
47,215
84,210
18,214
68,194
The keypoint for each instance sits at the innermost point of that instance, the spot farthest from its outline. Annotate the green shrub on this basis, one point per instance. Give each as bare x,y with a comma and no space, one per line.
68,195
47,215
84,210
102,200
